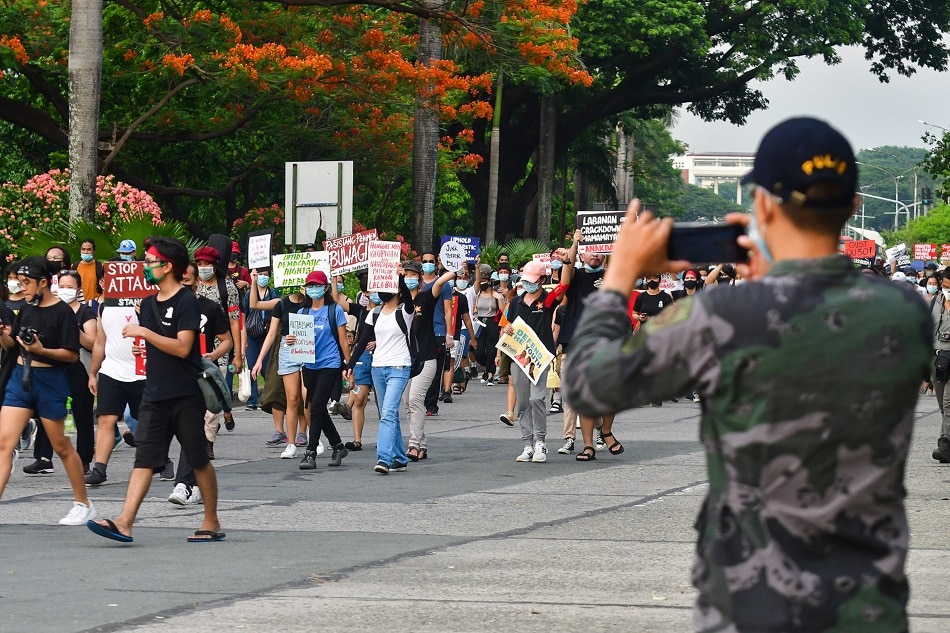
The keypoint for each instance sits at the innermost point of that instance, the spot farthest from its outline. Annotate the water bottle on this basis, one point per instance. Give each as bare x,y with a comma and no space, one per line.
70,422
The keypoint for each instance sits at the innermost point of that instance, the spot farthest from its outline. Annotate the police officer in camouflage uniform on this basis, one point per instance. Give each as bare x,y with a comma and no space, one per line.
808,378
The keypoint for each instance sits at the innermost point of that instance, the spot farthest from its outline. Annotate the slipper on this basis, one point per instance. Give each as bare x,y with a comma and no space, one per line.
109,532
354,446
206,536
413,454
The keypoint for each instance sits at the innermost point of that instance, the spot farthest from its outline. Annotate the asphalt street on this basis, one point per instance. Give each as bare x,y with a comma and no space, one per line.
468,540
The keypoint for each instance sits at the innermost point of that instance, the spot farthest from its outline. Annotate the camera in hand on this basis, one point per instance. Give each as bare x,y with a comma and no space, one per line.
27,334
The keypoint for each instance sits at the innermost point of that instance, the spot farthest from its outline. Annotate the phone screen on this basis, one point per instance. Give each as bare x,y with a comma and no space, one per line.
700,243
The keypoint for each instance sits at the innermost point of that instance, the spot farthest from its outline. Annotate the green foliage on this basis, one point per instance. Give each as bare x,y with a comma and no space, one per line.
703,205
933,228
879,169
518,250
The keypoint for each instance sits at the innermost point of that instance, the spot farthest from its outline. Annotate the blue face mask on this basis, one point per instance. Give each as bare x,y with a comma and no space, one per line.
428,268
375,298
126,258
412,283
556,264
462,284
591,269
520,291
339,287
316,292
450,283
86,257
263,280
758,240
530,287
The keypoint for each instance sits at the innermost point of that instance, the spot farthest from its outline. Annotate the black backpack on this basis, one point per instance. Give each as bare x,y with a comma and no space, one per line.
417,362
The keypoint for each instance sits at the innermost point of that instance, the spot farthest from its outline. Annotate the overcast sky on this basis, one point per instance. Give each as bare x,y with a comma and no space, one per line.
869,113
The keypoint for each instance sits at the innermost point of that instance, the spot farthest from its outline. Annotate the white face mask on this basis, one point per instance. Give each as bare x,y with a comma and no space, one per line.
205,272
946,293
14,286
67,295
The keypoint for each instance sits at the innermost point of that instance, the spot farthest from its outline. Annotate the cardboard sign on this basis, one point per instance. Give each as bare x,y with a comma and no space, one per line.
348,253
860,249
258,249
669,283
470,243
925,251
452,256
304,347
600,229
291,269
526,350
898,254
124,282
544,258
384,258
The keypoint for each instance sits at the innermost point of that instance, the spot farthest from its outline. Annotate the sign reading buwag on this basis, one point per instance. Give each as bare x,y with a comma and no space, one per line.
349,253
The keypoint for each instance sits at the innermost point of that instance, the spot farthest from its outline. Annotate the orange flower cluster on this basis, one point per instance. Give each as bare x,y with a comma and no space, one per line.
13,43
178,62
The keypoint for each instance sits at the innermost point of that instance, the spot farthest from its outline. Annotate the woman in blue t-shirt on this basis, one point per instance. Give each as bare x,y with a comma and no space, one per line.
320,376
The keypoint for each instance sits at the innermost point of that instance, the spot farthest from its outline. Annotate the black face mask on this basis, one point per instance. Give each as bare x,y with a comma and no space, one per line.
386,296
689,284
485,285
653,285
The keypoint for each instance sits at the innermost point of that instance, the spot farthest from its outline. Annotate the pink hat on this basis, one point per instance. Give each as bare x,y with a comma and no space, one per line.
533,271
316,277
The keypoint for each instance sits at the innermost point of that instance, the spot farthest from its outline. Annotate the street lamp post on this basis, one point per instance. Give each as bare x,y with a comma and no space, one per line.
896,190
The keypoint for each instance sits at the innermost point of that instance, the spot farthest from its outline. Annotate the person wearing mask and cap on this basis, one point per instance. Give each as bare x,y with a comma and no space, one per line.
929,270
489,304
44,340
126,251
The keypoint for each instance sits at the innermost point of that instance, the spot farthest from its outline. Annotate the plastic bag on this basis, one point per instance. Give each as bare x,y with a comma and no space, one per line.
244,384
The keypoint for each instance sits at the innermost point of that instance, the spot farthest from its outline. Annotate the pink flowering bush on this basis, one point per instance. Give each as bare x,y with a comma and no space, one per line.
42,204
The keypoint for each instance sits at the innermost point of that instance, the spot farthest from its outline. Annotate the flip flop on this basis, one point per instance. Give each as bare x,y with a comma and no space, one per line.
206,536
111,532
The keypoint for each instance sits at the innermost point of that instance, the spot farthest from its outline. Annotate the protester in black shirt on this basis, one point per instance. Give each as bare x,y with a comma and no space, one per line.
649,303
172,404
692,283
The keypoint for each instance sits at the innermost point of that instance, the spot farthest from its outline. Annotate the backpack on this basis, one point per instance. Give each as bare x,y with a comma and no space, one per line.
416,360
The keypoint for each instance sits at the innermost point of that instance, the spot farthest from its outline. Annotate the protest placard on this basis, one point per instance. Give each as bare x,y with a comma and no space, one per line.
258,248
452,256
600,229
925,251
526,350
898,254
304,347
384,260
860,249
124,283
348,253
544,258
470,243
669,283
945,252
291,269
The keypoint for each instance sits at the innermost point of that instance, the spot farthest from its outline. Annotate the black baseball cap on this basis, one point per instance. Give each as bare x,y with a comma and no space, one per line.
801,152
412,266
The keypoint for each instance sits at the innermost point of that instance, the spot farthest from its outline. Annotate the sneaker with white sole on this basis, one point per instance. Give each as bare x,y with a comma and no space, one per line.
277,439
179,495
507,418
321,449
79,514
599,443
540,453
194,495
290,452
301,440
568,447
526,455
16,456
556,407
168,473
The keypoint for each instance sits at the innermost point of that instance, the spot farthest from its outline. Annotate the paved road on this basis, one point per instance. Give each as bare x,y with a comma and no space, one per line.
468,540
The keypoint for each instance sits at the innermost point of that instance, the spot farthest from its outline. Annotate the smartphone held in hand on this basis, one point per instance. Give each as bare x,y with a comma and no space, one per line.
707,243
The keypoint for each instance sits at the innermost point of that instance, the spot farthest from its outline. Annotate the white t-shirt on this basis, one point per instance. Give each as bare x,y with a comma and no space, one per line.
119,363
391,349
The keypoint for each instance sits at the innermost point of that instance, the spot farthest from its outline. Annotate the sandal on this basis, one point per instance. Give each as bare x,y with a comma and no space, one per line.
586,455
354,446
457,390
423,453
413,454
616,448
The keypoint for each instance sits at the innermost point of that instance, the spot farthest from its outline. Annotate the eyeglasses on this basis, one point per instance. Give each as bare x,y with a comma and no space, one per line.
151,263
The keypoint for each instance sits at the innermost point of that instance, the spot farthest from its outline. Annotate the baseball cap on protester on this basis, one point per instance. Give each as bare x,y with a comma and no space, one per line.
533,271
316,277
412,266
126,246
801,152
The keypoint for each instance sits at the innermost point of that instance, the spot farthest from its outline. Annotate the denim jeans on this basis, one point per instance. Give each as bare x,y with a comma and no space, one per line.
389,383
253,353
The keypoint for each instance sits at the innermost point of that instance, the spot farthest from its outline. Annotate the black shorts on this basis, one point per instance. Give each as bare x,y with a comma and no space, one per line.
160,420
114,395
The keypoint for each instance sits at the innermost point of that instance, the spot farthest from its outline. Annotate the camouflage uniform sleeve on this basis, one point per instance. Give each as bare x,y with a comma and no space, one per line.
609,369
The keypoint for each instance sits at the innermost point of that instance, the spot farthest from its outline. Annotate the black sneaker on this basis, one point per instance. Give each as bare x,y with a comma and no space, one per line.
381,468
251,407
228,421
128,438
339,452
209,447
97,475
398,467
41,466
447,398
309,461
168,473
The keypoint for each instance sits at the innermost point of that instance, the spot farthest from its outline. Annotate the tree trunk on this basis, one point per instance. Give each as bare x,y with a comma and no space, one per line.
545,166
493,165
425,141
85,76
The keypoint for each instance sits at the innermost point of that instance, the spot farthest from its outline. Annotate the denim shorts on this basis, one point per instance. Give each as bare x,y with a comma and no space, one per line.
285,366
363,370
49,388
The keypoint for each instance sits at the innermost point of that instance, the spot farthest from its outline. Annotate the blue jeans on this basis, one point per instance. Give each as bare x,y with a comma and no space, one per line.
389,383
254,347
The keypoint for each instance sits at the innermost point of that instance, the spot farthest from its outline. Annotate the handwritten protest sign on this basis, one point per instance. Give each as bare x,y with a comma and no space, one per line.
452,255
544,258
470,243
383,264
526,350
945,252
258,248
669,283
898,254
348,253
291,269
600,229
304,348
860,249
124,282
925,251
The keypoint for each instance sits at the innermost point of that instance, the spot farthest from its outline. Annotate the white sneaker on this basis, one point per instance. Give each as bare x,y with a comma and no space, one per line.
79,514
568,447
540,453
16,456
331,407
195,496
290,452
179,495
599,443
526,455
321,449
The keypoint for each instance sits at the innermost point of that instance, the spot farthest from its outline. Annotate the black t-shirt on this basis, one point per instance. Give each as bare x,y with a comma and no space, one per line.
539,315
84,314
459,309
283,310
651,305
56,325
213,324
168,376
15,306
424,323
583,283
